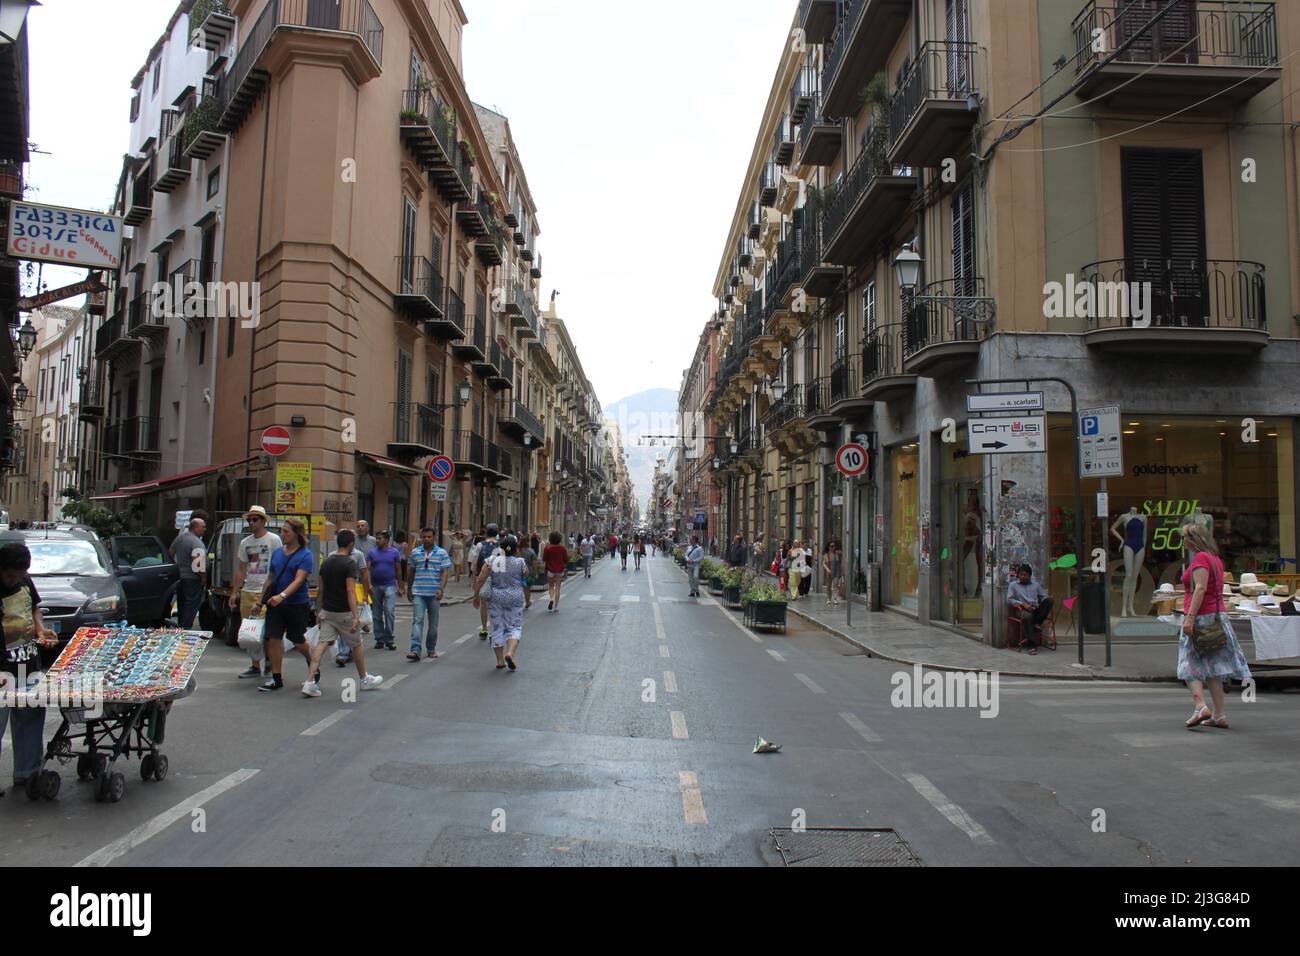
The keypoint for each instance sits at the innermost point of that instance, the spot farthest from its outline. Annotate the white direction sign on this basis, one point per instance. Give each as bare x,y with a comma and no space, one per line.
1005,402
1101,447
1007,436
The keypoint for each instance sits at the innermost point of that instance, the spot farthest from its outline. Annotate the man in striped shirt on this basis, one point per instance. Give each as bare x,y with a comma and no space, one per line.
426,574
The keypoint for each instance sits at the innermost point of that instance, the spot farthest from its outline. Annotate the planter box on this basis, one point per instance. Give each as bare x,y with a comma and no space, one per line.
766,614
715,585
732,596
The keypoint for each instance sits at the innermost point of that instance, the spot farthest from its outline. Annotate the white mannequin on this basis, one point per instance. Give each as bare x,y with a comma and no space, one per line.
1134,552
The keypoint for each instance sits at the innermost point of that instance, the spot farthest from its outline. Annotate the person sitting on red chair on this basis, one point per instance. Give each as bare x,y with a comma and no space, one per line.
1029,601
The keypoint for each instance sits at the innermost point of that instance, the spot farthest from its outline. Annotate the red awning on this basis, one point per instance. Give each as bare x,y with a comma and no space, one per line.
388,464
174,481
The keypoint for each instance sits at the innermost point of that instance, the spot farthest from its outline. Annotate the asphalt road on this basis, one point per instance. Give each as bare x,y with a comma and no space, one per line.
625,738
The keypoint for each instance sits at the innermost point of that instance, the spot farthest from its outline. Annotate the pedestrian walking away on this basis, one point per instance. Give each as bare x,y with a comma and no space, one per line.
255,552
505,600
587,548
531,557
638,550
833,568
429,566
365,596
339,618
1030,602
623,547
556,560
191,557
491,536
694,555
27,646
287,602
385,564
1208,652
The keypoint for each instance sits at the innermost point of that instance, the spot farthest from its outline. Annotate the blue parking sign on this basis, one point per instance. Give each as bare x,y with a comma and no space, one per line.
1091,425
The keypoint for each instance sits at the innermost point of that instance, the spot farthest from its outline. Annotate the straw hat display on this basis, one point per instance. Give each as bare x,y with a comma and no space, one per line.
1250,586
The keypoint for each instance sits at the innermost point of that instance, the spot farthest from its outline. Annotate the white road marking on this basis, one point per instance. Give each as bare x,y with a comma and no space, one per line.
323,725
650,580
389,682
809,683
659,623
955,814
775,654
1277,803
151,828
1168,738
679,725
670,682
464,638
692,798
590,597
631,599
663,650
740,627
865,732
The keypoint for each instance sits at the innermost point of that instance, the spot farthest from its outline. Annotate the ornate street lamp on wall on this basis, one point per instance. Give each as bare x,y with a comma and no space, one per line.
26,339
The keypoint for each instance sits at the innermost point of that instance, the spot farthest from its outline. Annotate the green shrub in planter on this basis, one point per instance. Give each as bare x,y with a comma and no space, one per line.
732,579
765,606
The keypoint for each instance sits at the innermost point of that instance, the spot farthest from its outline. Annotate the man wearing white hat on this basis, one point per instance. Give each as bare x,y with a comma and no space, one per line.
250,577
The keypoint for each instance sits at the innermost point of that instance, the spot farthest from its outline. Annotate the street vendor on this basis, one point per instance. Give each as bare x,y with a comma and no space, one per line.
24,638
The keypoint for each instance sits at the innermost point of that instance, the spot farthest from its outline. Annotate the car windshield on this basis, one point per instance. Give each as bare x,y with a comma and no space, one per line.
64,558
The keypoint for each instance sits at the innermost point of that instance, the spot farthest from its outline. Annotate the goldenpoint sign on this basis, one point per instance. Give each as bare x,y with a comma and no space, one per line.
69,237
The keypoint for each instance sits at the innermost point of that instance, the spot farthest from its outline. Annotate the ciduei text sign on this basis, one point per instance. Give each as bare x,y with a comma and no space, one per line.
70,237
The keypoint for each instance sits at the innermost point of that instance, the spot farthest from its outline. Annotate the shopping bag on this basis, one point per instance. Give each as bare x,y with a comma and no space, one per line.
313,635
367,618
250,633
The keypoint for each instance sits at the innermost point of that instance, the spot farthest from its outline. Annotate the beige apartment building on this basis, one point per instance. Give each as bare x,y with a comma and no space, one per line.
948,191
699,459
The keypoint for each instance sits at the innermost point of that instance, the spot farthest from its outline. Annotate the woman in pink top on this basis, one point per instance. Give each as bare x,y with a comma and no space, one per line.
1203,584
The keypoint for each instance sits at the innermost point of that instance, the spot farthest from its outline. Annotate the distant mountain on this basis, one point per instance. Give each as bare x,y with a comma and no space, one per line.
652,412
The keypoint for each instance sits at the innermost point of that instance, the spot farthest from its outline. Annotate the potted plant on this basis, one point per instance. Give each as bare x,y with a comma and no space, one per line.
732,579
765,606
876,95
414,118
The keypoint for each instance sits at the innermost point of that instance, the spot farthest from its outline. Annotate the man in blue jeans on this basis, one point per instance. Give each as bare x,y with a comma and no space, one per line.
384,560
426,571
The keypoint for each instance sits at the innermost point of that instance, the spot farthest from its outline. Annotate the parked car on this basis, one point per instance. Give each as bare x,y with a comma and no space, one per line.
148,575
73,574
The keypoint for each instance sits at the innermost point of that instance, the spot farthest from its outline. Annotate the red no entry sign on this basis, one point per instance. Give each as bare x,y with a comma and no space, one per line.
275,441
441,469
851,460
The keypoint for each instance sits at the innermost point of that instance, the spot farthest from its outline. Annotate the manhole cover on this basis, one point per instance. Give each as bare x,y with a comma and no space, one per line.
843,847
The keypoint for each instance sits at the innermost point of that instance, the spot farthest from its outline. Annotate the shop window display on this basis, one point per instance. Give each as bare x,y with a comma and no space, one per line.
904,496
1177,471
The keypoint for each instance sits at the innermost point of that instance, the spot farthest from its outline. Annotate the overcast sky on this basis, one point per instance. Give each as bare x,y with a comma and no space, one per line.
635,122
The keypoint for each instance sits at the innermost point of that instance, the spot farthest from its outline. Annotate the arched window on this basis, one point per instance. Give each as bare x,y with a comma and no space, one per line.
366,498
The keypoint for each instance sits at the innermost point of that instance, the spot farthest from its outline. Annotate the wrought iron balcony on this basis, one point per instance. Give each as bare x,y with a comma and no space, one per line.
755,221
945,325
474,220
172,166
791,407
504,377
844,389
783,142
820,137
883,377
111,339
419,288
867,31
212,24
515,419
489,365
1144,305
935,105
467,452
139,198
1206,55
817,19
132,437
199,133
536,270
192,291
767,185
147,318
801,95
870,204
473,345
90,406
353,20
449,323
817,278
491,246
417,431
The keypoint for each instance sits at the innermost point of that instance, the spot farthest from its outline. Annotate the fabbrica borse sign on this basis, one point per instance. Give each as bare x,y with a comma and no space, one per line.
69,237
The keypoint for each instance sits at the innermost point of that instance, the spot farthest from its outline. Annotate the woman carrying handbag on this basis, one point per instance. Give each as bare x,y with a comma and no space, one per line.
1208,652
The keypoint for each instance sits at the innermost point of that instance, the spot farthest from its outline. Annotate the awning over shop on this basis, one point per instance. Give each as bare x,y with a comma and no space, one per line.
388,464
165,484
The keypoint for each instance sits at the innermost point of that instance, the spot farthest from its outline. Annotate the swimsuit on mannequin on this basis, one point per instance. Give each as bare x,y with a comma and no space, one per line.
1134,540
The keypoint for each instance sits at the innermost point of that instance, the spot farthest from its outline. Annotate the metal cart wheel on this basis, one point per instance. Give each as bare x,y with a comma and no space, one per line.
101,787
146,766
99,765
32,787
115,786
85,768
49,784
160,768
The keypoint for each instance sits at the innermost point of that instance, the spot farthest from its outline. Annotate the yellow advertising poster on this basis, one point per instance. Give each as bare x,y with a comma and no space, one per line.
292,488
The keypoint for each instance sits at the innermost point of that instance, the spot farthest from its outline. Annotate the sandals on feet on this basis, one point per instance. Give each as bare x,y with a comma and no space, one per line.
501,667
1218,722
510,662
1199,716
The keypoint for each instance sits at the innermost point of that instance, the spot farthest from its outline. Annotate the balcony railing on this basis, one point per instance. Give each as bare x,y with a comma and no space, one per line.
514,416
882,352
242,85
783,142
820,137
132,436
191,290
944,312
172,166
417,429
140,197
843,379
467,450
141,320
817,18
1195,294
791,407
1203,32
869,204
767,185
817,278
860,47
473,344
940,84
491,246
419,288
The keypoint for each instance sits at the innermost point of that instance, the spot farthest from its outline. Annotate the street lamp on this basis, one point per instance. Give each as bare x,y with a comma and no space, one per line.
465,390
27,339
778,390
20,395
907,269
734,446
13,14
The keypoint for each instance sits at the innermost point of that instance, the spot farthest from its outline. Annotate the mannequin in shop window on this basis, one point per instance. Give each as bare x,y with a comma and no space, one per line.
973,540
1131,530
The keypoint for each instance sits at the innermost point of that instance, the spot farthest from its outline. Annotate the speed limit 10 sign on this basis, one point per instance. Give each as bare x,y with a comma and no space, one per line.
851,460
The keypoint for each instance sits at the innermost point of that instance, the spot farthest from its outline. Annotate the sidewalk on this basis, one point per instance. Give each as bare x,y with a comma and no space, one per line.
896,637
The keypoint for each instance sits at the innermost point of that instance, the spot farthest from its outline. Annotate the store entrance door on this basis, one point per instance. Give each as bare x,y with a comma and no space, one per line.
961,555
